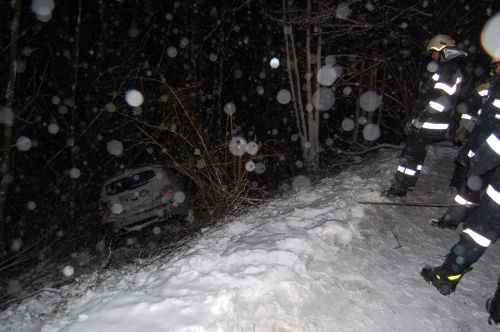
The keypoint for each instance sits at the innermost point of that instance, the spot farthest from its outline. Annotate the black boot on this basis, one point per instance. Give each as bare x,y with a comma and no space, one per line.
458,262
441,223
440,278
453,217
400,186
395,191
493,307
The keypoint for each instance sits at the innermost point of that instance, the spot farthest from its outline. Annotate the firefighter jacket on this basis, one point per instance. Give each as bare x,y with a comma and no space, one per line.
491,106
487,156
439,95
473,104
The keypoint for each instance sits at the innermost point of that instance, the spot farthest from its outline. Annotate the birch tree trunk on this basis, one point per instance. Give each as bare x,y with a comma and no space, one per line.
294,79
7,134
307,116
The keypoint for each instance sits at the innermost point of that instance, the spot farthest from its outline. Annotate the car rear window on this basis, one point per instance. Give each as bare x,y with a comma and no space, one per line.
130,182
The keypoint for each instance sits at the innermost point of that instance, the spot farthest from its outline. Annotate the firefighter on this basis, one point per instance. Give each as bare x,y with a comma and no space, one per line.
468,192
486,94
482,227
431,119
468,111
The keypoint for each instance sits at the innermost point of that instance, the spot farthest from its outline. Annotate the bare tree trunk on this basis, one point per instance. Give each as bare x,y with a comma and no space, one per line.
308,149
298,88
7,135
308,116
358,108
382,93
76,64
298,115
317,118
372,85
311,151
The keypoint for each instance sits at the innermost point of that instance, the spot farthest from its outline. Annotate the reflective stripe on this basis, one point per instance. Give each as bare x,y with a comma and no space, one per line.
437,106
419,167
494,195
466,117
452,278
483,93
471,154
406,171
479,112
478,238
497,116
435,77
496,103
455,277
462,201
446,88
430,125
494,143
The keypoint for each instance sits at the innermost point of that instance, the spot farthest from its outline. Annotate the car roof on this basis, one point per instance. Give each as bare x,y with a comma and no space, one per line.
132,171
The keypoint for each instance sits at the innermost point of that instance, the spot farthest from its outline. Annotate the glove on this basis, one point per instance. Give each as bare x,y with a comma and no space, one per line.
414,123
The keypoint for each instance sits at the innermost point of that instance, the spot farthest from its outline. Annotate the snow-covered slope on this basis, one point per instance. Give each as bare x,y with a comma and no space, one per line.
313,261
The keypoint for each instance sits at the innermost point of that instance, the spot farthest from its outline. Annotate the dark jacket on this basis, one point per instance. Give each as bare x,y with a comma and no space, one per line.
439,94
487,156
491,107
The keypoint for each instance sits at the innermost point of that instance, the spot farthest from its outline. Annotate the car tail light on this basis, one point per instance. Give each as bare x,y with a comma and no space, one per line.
105,212
165,191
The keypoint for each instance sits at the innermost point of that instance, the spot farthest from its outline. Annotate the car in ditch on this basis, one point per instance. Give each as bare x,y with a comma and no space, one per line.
140,197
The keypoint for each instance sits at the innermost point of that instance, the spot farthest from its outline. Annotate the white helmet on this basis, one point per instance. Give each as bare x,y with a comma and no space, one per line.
440,42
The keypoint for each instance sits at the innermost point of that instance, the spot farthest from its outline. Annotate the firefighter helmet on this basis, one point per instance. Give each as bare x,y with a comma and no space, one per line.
440,42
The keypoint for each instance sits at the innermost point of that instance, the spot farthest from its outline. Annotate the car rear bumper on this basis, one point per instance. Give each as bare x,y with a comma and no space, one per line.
136,221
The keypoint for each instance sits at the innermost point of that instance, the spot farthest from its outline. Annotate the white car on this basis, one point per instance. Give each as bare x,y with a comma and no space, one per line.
140,197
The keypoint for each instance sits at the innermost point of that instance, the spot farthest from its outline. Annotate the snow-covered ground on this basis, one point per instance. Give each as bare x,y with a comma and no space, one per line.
315,260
